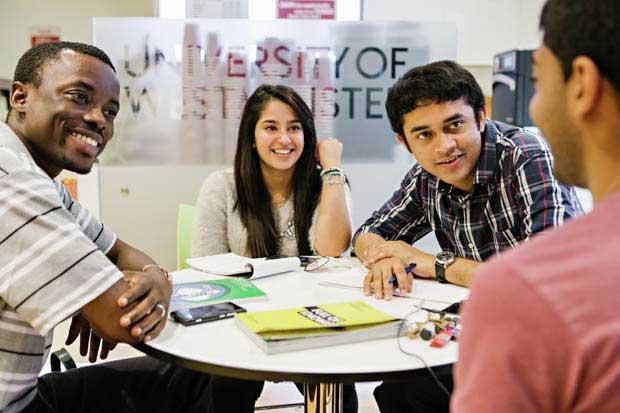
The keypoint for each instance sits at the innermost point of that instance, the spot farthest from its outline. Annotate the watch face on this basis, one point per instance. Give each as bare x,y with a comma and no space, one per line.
445,257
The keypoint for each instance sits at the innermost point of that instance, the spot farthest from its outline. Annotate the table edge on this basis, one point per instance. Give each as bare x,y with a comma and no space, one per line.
276,376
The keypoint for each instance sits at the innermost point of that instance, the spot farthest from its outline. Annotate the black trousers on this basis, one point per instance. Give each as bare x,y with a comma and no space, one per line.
239,396
421,394
141,384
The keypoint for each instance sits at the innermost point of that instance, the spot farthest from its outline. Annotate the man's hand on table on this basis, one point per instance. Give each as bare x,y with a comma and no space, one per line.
379,275
407,253
390,249
151,291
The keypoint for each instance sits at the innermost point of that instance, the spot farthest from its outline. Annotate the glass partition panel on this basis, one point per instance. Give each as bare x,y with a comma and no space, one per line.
184,82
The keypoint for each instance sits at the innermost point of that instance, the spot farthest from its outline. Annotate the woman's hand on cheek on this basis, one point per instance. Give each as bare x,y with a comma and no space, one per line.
329,153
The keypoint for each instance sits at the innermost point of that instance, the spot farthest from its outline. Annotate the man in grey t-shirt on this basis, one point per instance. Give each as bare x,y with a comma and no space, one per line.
58,261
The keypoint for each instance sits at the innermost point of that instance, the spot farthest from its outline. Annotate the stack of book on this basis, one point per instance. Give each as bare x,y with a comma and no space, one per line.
300,328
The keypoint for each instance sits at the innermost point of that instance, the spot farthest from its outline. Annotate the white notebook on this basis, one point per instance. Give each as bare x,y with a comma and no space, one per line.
235,265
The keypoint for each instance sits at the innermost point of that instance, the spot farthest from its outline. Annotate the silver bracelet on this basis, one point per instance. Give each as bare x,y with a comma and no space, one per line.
334,179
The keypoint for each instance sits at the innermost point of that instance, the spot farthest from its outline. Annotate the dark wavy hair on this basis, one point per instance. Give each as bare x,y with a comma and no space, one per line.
253,198
436,82
589,28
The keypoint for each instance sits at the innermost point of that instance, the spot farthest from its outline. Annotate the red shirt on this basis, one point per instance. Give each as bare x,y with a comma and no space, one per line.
541,331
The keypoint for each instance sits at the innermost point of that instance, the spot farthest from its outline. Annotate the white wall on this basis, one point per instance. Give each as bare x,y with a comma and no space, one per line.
485,26
74,17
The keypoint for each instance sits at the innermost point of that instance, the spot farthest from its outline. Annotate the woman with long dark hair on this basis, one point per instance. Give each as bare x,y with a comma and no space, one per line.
276,201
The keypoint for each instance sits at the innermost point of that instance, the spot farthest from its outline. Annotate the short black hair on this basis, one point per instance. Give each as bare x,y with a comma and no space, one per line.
28,69
437,82
584,28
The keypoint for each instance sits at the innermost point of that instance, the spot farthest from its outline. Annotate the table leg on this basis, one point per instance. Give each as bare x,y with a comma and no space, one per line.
323,398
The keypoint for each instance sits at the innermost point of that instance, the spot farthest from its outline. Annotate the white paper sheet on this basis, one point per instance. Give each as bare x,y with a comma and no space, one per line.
429,290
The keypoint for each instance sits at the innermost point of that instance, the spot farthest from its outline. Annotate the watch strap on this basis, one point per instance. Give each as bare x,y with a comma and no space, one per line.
440,272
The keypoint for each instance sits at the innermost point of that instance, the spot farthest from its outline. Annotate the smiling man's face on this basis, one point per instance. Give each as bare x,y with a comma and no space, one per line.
445,138
69,118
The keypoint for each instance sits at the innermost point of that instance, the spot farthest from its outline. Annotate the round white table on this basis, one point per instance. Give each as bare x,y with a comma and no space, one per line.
221,348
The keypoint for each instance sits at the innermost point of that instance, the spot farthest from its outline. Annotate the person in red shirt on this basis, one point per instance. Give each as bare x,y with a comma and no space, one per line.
540,331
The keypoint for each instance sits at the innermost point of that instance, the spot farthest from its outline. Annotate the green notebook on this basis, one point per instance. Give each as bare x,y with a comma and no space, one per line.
316,326
197,293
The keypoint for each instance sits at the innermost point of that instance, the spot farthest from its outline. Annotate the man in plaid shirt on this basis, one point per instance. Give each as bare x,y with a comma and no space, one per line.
481,186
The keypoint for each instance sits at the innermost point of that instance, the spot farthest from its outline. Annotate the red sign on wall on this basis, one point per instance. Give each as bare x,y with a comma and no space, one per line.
307,9
42,34
36,39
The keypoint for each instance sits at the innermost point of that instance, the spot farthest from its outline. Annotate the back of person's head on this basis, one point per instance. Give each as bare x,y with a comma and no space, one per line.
437,82
253,199
584,28
30,66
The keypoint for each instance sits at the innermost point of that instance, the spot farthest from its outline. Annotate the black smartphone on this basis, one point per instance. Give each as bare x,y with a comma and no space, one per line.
206,313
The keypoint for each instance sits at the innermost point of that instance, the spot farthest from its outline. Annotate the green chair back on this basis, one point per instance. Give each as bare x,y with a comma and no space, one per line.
185,221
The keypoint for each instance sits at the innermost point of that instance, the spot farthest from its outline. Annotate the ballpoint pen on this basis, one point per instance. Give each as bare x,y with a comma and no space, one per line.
408,270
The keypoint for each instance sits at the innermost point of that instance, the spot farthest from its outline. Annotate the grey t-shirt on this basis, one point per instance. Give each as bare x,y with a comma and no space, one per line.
52,263
218,228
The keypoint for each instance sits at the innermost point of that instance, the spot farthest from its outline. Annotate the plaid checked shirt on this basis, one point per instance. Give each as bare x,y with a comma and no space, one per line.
514,196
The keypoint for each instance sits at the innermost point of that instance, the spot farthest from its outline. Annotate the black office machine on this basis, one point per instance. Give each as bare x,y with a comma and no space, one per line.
512,87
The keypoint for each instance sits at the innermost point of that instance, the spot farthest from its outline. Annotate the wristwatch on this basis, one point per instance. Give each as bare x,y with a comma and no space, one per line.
442,260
